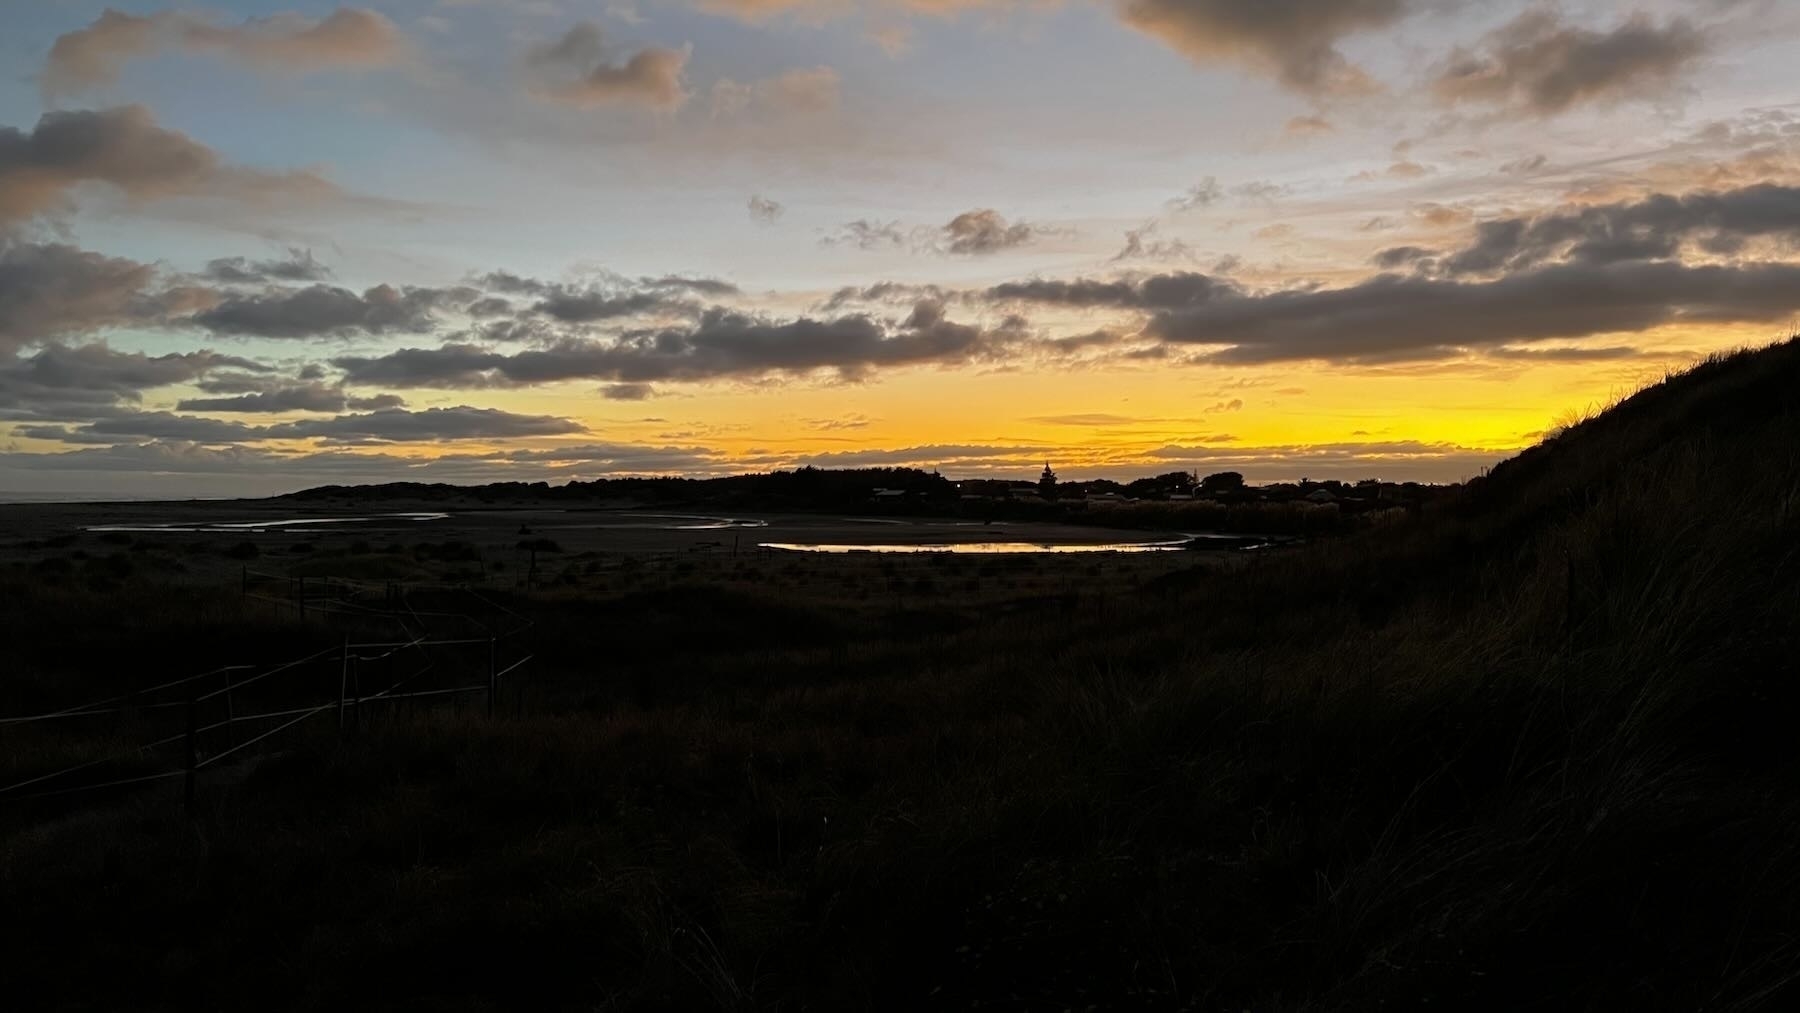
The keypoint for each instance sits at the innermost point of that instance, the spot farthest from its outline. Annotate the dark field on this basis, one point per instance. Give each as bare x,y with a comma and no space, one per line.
1531,749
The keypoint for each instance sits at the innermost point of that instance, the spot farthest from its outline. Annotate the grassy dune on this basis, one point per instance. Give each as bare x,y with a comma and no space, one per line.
1530,749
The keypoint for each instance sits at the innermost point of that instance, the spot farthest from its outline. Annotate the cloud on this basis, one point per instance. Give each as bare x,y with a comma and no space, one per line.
882,292
984,231
1537,65
721,344
765,211
124,148
575,306
298,265
349,38
1293,41
801,90
1394,317
713,287
392,425
932,455
1656,227
84,381
1203,194
1396,257
396,425
628,392
49,290
1142,243
1564,275
323,311
865,234
577,70
1525,166
292,397
1174,290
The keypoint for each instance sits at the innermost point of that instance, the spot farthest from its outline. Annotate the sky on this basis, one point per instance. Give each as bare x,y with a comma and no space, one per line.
253,247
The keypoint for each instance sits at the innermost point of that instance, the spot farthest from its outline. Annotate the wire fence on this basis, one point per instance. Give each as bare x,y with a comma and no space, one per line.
184,727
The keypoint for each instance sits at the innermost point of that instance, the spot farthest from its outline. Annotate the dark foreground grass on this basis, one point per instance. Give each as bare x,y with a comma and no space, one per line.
1531,751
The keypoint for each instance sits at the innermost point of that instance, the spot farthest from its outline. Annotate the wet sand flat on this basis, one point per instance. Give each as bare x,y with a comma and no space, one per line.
275,523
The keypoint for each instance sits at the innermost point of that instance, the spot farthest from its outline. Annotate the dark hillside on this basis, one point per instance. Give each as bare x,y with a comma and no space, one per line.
1531,748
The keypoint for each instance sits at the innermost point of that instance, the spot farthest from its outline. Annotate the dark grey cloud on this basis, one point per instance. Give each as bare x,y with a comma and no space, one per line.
84,381
1540,65
396,425
93,56
147,425
124,148
714,288
390,425
722,343
325,311
610,298
1656,227
512,284
628,392
583,307
1396,317
1293,41
49,290
882,292
298,265
1158,292
1396,257
578,69
291,397
490,306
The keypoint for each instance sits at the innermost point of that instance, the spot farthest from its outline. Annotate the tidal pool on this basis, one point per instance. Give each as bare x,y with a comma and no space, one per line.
978,548
277,524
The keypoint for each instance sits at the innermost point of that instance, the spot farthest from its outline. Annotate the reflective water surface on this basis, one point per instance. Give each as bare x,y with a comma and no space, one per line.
274,524
980,548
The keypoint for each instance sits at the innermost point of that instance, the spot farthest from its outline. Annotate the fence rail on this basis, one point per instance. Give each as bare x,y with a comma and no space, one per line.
286,692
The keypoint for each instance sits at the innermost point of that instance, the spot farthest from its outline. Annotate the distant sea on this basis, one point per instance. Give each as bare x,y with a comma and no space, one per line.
53,496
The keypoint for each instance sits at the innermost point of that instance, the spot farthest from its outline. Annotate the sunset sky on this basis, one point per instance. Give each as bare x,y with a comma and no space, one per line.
251,247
